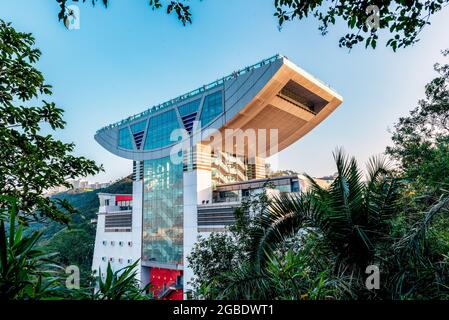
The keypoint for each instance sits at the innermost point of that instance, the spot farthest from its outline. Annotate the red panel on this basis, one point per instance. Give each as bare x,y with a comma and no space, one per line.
160,277
123,198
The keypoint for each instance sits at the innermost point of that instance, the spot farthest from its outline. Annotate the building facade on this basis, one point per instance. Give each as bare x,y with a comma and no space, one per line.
196,156
117,240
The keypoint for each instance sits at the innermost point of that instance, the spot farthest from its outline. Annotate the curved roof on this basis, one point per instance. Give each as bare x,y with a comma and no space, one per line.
273,97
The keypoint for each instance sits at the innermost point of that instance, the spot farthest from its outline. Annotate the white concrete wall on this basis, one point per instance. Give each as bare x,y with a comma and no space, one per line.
197,187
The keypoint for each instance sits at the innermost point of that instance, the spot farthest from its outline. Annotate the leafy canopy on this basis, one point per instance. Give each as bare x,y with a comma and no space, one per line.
181,10
401,20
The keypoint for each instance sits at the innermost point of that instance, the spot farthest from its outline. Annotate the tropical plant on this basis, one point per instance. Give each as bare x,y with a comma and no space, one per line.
121,284
26,271
338,233
351,218
352,214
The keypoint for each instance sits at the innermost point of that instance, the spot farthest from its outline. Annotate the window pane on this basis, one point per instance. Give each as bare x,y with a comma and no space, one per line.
189,108
213,106
138,127
159,130
124,139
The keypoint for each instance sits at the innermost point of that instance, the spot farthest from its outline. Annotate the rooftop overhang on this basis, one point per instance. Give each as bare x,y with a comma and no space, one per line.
289,105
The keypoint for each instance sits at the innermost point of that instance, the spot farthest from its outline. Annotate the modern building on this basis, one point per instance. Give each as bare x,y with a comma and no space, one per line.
196,156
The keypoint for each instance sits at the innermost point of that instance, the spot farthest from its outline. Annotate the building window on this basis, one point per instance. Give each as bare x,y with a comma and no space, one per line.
212,107
138,127
126,204
130,243
103,258
112,243
160,128
106,202
189,108
124,139
295,186
105,242
130,260
120,243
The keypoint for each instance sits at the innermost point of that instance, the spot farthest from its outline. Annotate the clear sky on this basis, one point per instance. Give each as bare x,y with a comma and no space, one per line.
127,57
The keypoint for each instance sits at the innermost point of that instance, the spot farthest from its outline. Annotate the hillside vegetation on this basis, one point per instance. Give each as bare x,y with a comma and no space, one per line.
74,242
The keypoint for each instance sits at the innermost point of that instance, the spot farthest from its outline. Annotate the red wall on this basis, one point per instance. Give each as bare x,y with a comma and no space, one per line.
123,198
159,277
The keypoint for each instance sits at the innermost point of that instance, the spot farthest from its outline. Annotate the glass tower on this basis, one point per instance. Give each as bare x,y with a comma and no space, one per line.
162,212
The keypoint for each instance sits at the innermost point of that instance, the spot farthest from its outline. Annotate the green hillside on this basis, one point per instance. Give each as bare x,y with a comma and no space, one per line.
75,242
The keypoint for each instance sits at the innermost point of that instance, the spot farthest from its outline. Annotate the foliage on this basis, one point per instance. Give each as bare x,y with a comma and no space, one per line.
74,247
402,20
211,256
352,215
31,162
318,245
223,252
421,139
26,272
181,10
115,285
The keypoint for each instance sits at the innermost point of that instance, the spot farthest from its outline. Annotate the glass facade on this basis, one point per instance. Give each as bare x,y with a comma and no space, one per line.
138,127
162,212
189,108
212,107
124,139
160,128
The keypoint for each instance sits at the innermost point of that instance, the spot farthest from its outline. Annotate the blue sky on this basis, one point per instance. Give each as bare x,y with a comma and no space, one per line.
128,57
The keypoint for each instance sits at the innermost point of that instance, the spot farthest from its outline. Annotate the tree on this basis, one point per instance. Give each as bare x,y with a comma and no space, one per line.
341,231
402,20
421,139
31,162
210,257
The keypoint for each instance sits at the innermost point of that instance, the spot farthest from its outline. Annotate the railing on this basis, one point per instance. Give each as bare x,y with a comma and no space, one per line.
192,93
169,289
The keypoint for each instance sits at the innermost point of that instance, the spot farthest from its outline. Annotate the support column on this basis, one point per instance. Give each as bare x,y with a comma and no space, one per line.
197,180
